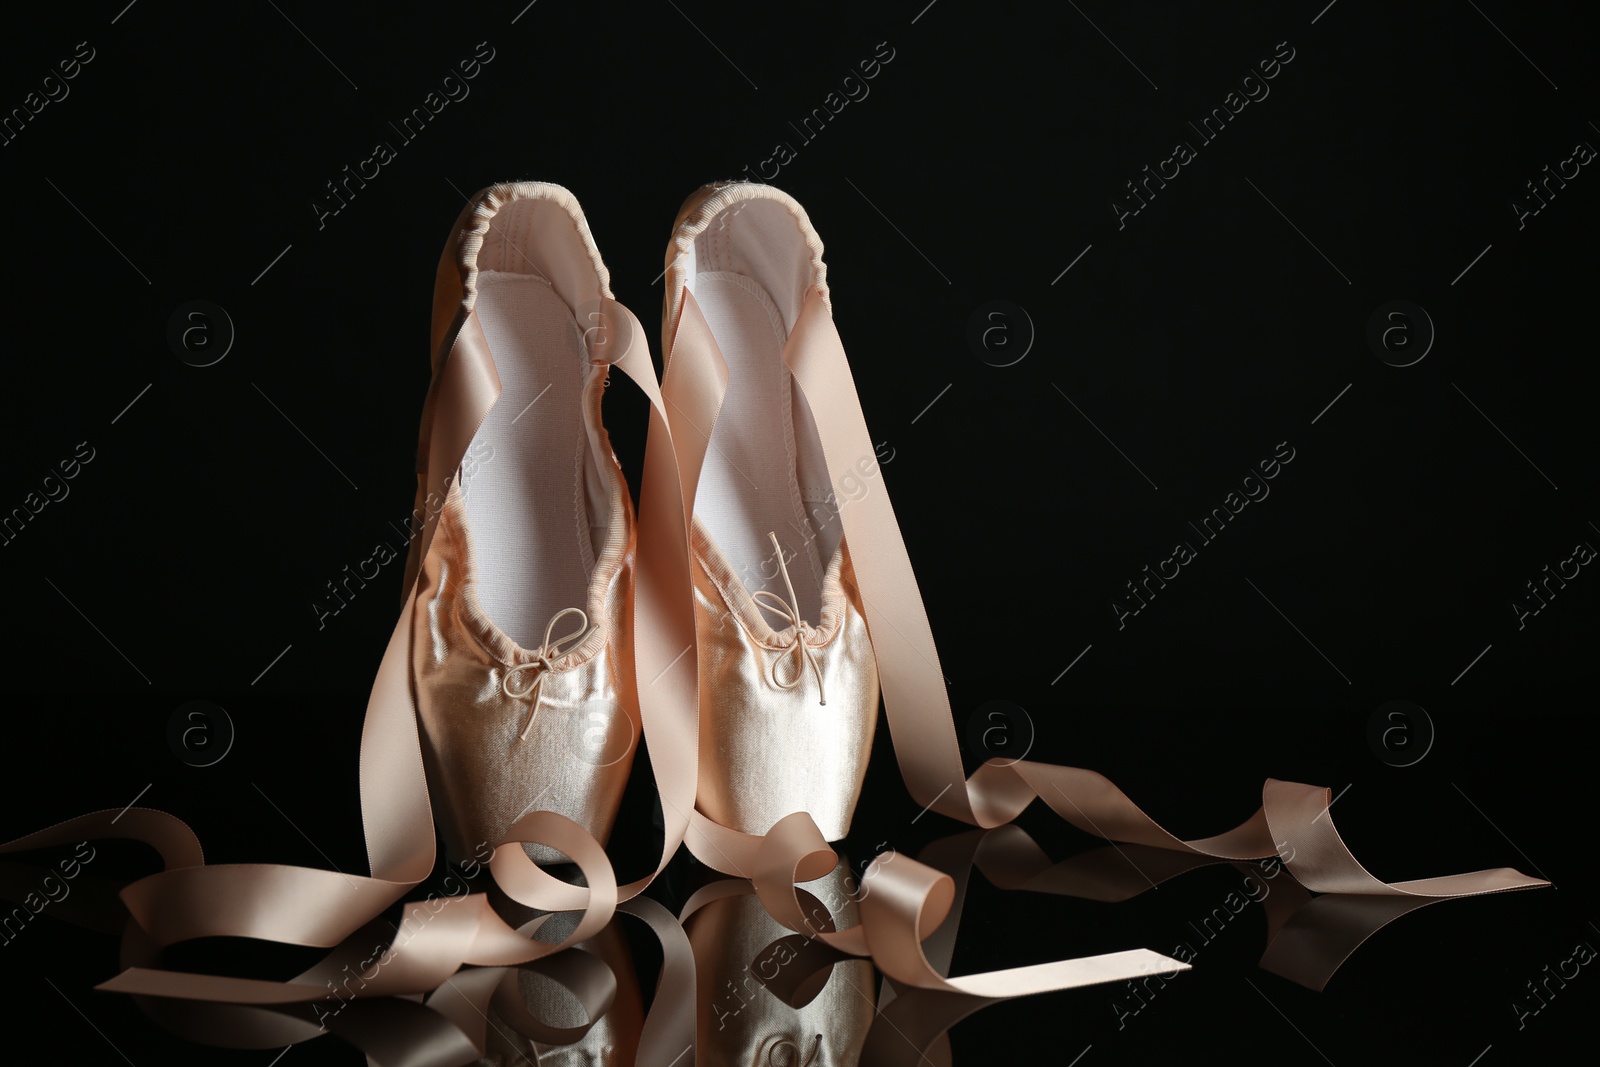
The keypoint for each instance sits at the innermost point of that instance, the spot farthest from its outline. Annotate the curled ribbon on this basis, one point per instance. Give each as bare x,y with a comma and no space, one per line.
910,900
327,909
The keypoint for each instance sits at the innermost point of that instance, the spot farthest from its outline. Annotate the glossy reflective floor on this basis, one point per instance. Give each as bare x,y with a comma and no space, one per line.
1098,269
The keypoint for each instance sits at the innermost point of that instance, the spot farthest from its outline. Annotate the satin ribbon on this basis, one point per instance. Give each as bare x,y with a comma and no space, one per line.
322,908
1308,938
446,1027
923,732
305,906
1308,941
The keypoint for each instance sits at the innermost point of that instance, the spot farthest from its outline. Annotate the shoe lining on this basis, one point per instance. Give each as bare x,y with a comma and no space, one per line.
528,522
751,482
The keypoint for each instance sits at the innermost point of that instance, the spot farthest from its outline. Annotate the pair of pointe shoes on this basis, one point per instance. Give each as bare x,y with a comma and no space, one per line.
522,657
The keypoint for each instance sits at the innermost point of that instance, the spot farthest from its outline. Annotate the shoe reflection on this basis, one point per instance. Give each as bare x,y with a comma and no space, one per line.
769,997
537,1016
765,996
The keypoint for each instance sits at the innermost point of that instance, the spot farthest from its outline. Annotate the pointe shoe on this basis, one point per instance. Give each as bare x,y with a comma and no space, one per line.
788,684
522,657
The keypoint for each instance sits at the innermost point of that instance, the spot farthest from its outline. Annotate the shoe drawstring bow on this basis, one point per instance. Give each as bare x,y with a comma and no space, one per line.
541,665
802,647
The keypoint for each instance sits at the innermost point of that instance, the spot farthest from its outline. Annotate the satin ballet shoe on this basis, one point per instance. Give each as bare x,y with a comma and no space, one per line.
788,686
522,649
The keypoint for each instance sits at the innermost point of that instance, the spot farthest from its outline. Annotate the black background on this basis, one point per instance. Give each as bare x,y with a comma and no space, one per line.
1219,321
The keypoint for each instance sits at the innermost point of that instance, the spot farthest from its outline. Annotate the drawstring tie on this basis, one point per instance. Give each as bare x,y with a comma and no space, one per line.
542,666
805,652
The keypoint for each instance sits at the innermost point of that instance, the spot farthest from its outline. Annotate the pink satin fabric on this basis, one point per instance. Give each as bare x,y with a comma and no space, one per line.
912,899
909,900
